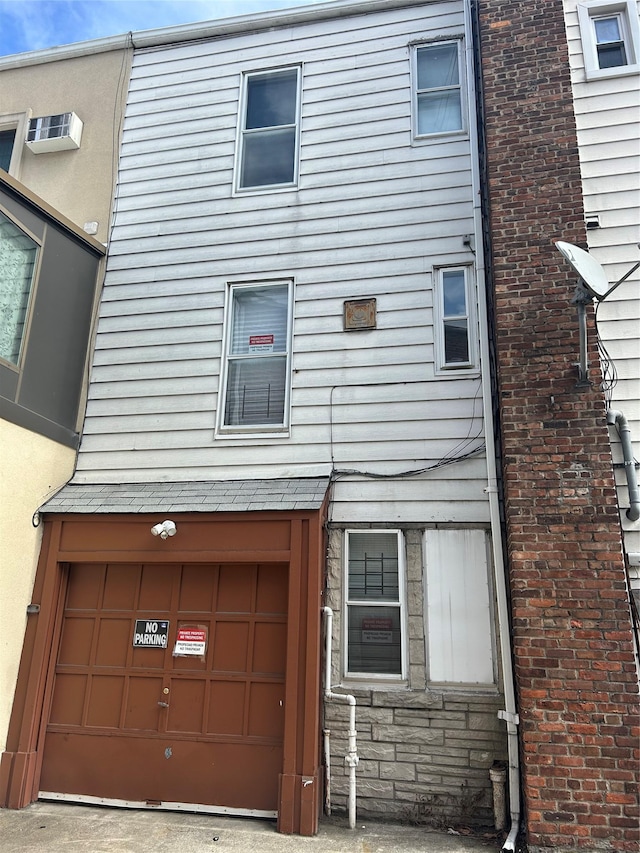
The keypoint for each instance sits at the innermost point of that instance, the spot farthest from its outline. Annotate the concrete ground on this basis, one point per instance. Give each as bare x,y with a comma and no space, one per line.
66,828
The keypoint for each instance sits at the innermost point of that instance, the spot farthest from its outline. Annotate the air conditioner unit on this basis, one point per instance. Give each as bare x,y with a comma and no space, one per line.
61,132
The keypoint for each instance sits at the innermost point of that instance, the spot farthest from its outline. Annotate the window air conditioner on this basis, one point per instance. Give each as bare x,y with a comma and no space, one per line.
54,133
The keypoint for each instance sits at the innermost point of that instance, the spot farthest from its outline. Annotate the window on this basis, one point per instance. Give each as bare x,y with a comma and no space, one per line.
455,343
269,130
256,380
438,91
7,138
374,608
18,254
610,37
12,133
458,608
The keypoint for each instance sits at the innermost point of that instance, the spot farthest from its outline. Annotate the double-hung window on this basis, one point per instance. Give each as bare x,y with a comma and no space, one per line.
610,35
268,143
374,606
255,395
18,256
438,102
454,312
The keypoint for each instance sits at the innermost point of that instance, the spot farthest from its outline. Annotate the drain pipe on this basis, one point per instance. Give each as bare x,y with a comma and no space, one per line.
509,714
351,758
617,419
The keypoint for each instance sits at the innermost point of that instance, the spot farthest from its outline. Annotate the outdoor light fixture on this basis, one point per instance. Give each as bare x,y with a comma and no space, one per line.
164,529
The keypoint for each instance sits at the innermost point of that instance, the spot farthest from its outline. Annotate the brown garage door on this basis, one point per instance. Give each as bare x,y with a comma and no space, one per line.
138,723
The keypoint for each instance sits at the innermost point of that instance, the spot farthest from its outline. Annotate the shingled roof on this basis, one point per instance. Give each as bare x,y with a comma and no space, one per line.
306,493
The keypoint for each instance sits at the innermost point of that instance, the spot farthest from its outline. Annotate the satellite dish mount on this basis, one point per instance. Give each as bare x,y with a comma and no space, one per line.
592,284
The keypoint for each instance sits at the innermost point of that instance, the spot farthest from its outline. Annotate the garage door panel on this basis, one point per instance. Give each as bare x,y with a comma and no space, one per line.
271,596
196,589
85,586
235,774
235,589
231,646
121,586
186,704
151,658
68,699
226,708
156,588
114,641
105,701
75,643
142,709
266,710
269,648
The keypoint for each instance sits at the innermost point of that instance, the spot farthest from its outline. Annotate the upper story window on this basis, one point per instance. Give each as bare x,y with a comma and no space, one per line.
18,255
437,89
610,35
12,134
454,313
258,348
375,604
268,143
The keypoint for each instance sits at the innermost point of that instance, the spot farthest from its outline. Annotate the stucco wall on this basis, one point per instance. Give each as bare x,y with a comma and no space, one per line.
79,183
48,466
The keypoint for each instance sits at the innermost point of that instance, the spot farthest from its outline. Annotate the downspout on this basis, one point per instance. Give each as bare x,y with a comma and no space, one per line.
617,419
509,714
351,758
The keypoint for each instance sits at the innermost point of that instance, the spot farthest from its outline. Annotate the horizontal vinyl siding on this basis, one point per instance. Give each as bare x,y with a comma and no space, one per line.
608,121
371,216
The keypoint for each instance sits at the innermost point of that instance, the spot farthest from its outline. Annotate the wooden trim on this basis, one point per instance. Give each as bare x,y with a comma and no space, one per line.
299,794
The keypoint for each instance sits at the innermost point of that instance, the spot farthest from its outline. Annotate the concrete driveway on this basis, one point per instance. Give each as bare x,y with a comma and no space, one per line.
66,828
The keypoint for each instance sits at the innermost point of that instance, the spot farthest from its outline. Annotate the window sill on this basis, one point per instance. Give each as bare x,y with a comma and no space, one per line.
260,432
608,73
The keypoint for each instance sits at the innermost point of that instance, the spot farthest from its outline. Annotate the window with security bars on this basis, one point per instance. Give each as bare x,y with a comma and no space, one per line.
257,363
374,603
18,254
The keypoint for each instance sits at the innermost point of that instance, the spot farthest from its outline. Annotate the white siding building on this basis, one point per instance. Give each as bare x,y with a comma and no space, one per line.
604,51
292,321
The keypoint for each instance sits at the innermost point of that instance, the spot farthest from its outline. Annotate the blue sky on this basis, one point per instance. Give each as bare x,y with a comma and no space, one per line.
37,24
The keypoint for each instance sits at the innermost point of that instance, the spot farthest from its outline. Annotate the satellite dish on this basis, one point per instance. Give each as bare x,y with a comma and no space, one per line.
589,270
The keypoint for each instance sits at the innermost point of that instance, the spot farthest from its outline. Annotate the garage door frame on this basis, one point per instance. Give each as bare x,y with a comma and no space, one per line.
295,538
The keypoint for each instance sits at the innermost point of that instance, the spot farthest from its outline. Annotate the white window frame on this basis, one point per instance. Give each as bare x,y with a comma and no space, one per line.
441,365
242,132
18,122
626,11
415,48
254,430
401,604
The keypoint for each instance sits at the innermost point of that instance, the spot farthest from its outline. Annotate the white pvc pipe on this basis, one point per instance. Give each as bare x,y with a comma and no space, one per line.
509,715
351,758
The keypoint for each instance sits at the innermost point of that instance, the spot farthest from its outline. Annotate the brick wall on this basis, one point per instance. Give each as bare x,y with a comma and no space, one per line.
575,672
424,754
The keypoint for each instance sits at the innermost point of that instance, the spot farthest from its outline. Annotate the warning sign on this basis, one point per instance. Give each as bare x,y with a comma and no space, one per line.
150,632
377,631
190,642
261,343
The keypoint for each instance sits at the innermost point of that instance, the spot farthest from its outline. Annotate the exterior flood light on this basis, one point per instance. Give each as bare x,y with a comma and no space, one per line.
164,529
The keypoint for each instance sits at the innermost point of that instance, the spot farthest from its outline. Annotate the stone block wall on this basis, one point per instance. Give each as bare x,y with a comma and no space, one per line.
424,754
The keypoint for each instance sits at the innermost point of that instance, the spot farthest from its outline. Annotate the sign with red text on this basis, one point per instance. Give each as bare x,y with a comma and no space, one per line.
190,642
